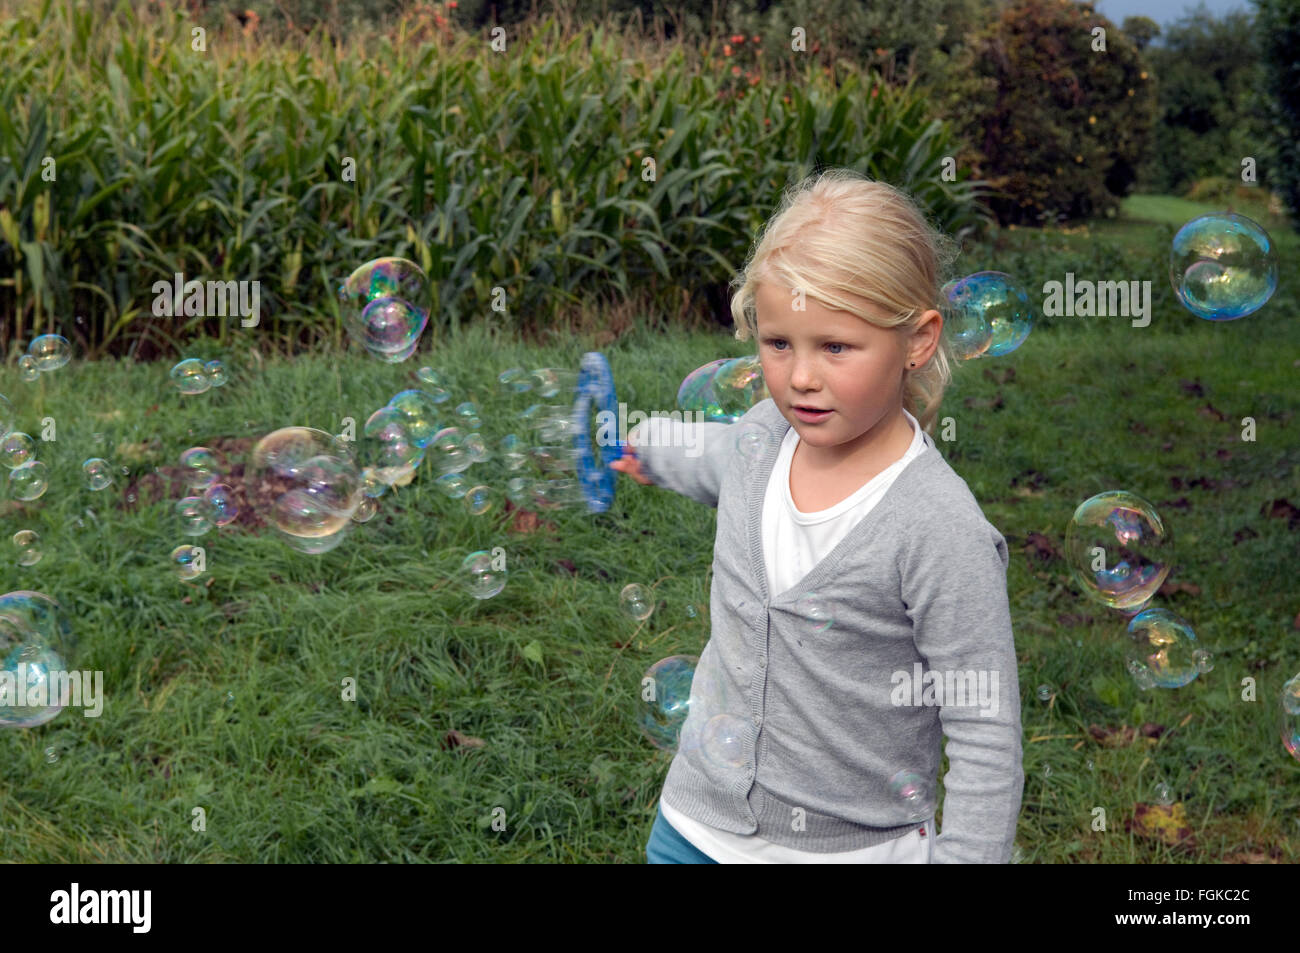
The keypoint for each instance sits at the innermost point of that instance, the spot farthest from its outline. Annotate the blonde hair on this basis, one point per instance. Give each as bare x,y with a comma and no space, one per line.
840,233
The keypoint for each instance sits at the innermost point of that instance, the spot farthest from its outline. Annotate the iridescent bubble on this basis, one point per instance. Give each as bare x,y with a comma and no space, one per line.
636,601
305,492
221,498
519,490
723,740
196,515
37,612
385,278
987,302
1046,771
513,452
449,454
29,481
1162,643
453,484
552,381
366,511
6,416
696,391
216,372
50,351
813,608
188,562
738,385
556,460
371,485
912,793
98,472
476,448
191,376
28,544
28,369
1044,693
1223,266
433,384
1204,661
200,468
1163,795
1289,702
468,416
389,328
16,449
388,446
664,699
51,754
35,663
749,441
1118,549
479,578
479,499
420,414
515,380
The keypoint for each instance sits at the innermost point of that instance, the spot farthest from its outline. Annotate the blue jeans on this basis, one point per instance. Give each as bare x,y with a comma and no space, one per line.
666,846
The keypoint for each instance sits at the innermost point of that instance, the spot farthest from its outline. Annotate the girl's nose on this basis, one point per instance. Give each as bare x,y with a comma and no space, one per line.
804,375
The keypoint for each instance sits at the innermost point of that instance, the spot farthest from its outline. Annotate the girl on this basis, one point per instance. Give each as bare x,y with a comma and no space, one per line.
859,608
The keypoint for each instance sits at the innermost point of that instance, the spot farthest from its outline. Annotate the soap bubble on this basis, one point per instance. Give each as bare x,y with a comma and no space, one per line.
1162,643
50,351
665,699
738,385
1046,771
196,515
16,449
515,380
1044,693
479,499
388,446
366,511
6,416
200,468
221,499
28,544
1204,661
696,391
51,754
35,663
519,490
296,485
216,373
724,740
449,451
385,278
29,481
911,792
453,484
39,613
186,562
419,413
389,328
28,369
813,608
191,376
1290,720
513,452
989,313
371,485
552,381
1118,549
99,473
433,385
636,601
476,447
1223,266
478,577
468,415
1163,794
749,441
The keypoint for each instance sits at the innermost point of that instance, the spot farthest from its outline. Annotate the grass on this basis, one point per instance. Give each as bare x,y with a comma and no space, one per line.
226,694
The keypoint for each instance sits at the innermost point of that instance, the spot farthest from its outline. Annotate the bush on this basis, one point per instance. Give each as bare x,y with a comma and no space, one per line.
1278,23
1055,126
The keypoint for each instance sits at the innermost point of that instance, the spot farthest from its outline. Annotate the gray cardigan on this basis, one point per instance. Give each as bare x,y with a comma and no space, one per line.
832,720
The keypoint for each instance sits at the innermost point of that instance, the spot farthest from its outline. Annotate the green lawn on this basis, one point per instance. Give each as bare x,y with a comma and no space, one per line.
225,694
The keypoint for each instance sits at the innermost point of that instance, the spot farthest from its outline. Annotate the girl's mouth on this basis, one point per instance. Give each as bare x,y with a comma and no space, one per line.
811,415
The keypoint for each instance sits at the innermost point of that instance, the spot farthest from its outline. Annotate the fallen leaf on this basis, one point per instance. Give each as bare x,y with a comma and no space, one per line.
1281,509
454,739
1037,546
1151,730
1210,411
993,403
1108,737
1165,823
1192,387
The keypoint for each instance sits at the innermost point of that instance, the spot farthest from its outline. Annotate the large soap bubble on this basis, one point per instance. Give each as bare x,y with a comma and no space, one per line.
387,307
739,385
696,392
303,486
51,351
665,699
1223,266
1118,549
387,446
986,314
1161,649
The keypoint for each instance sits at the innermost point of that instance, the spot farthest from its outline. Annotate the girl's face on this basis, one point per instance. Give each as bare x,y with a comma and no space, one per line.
835,362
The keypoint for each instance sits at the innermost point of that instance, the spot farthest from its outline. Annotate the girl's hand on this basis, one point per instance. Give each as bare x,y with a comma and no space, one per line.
630,465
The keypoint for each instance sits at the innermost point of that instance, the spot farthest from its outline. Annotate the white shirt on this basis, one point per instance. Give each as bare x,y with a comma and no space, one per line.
804,539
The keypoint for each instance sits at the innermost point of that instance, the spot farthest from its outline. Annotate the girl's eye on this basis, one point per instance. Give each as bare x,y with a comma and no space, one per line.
841,346
776,344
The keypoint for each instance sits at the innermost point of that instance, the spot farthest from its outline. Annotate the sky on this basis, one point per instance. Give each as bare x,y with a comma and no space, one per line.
1166,12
